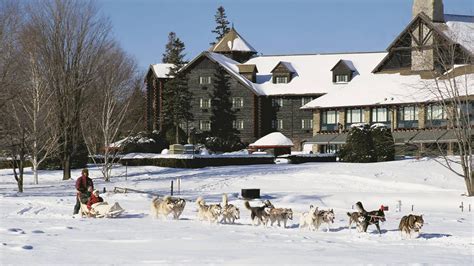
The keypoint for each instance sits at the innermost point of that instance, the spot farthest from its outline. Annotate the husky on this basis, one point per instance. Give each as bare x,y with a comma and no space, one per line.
308,219
326,217
411,224
356,218
279,215
258,213
167,205
209,212
372,217
230,213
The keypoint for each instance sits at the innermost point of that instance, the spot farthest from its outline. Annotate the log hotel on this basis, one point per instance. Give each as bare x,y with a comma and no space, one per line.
313,99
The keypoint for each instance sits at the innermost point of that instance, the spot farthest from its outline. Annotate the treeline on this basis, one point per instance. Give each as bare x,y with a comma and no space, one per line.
67,88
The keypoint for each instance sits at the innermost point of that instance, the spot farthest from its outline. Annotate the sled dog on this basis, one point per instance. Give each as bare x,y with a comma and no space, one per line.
326,217
209,212
258,214
372,217
308,219
165,206
280,215
356,218
411,224
230,213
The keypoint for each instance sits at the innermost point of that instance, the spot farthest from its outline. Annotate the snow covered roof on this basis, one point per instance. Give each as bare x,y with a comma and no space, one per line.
161,70
461,30
386,89
232,42
314,74
275,139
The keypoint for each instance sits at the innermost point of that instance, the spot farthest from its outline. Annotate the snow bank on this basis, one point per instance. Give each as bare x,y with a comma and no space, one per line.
273,139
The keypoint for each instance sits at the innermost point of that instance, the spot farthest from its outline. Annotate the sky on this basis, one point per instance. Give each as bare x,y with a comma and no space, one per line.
270,26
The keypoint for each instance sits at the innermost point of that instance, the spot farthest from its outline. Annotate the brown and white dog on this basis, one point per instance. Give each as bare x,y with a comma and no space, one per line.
165,206
411,224
372,217
280,215
356,218
308,219
209,212
326,217
259,214
230,213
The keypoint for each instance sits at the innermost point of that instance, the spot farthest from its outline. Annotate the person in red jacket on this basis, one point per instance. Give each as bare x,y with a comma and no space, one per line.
94,199
82,184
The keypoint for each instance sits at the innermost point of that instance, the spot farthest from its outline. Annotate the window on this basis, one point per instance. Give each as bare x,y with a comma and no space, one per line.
342,78
281,79
277,102
436,112
204,103
466,112
379,115
205,80
277,124
205,125
306,123
355,116
435,116
237,102
409,113
238,124
306,100
329,120
408,117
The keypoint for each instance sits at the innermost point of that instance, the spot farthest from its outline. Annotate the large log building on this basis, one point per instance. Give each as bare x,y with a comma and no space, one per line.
314,98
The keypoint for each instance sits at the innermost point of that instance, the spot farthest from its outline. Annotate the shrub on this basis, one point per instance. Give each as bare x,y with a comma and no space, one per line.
153,142
383,143
359,146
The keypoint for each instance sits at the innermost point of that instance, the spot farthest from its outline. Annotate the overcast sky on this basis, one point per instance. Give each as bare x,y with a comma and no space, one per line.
270,26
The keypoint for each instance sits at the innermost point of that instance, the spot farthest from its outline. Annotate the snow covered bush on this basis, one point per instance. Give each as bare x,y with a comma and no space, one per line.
359,146
384,144
145,142
366,144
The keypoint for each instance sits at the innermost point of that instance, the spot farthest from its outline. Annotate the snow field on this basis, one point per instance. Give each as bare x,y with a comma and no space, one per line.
37,227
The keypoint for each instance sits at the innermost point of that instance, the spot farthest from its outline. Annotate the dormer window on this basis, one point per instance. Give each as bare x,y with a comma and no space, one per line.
283,72
248,71
281,80
343,72
342,78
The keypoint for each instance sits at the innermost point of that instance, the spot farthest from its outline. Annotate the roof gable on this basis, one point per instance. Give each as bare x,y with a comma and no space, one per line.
284,65
347,64
232,42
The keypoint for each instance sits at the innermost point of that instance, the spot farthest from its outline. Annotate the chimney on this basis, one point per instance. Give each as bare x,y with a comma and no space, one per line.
432,8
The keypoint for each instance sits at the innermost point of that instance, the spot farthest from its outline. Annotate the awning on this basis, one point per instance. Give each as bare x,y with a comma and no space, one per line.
402,137
450,136
428,136
340,139
322,138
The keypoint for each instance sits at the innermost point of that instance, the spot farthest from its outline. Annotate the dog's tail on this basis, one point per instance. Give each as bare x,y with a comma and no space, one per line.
200,201
349,214
360,207
247,205
225,201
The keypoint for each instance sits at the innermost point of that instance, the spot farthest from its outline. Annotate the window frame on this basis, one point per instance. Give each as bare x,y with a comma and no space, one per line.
234,102
350,114
306,100
284,78
205,103
202,123
345,80
238,124
304,123
205,80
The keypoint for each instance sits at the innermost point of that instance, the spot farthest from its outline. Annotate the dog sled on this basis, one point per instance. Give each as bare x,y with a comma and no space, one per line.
102,210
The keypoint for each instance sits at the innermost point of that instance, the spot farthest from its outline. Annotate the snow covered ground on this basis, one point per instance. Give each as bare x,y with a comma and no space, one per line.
37,227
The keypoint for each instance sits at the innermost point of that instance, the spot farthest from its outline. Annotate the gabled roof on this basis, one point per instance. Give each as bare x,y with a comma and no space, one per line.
247,68
286,65
161,70
453,31
348,63
232,42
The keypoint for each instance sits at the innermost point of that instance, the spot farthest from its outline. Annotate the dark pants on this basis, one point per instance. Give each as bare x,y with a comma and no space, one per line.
77,207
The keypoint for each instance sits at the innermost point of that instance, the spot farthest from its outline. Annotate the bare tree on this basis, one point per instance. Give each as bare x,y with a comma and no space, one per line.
108,110
71,39
452,86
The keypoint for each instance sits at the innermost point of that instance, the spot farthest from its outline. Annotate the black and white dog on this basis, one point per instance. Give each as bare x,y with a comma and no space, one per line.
372,217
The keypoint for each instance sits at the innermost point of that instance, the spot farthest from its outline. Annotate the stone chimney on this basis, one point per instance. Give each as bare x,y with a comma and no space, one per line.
422,56
432,8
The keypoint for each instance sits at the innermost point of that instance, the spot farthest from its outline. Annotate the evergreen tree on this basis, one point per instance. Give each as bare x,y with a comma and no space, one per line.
359,146
222,26
384,144
176,95
224,135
